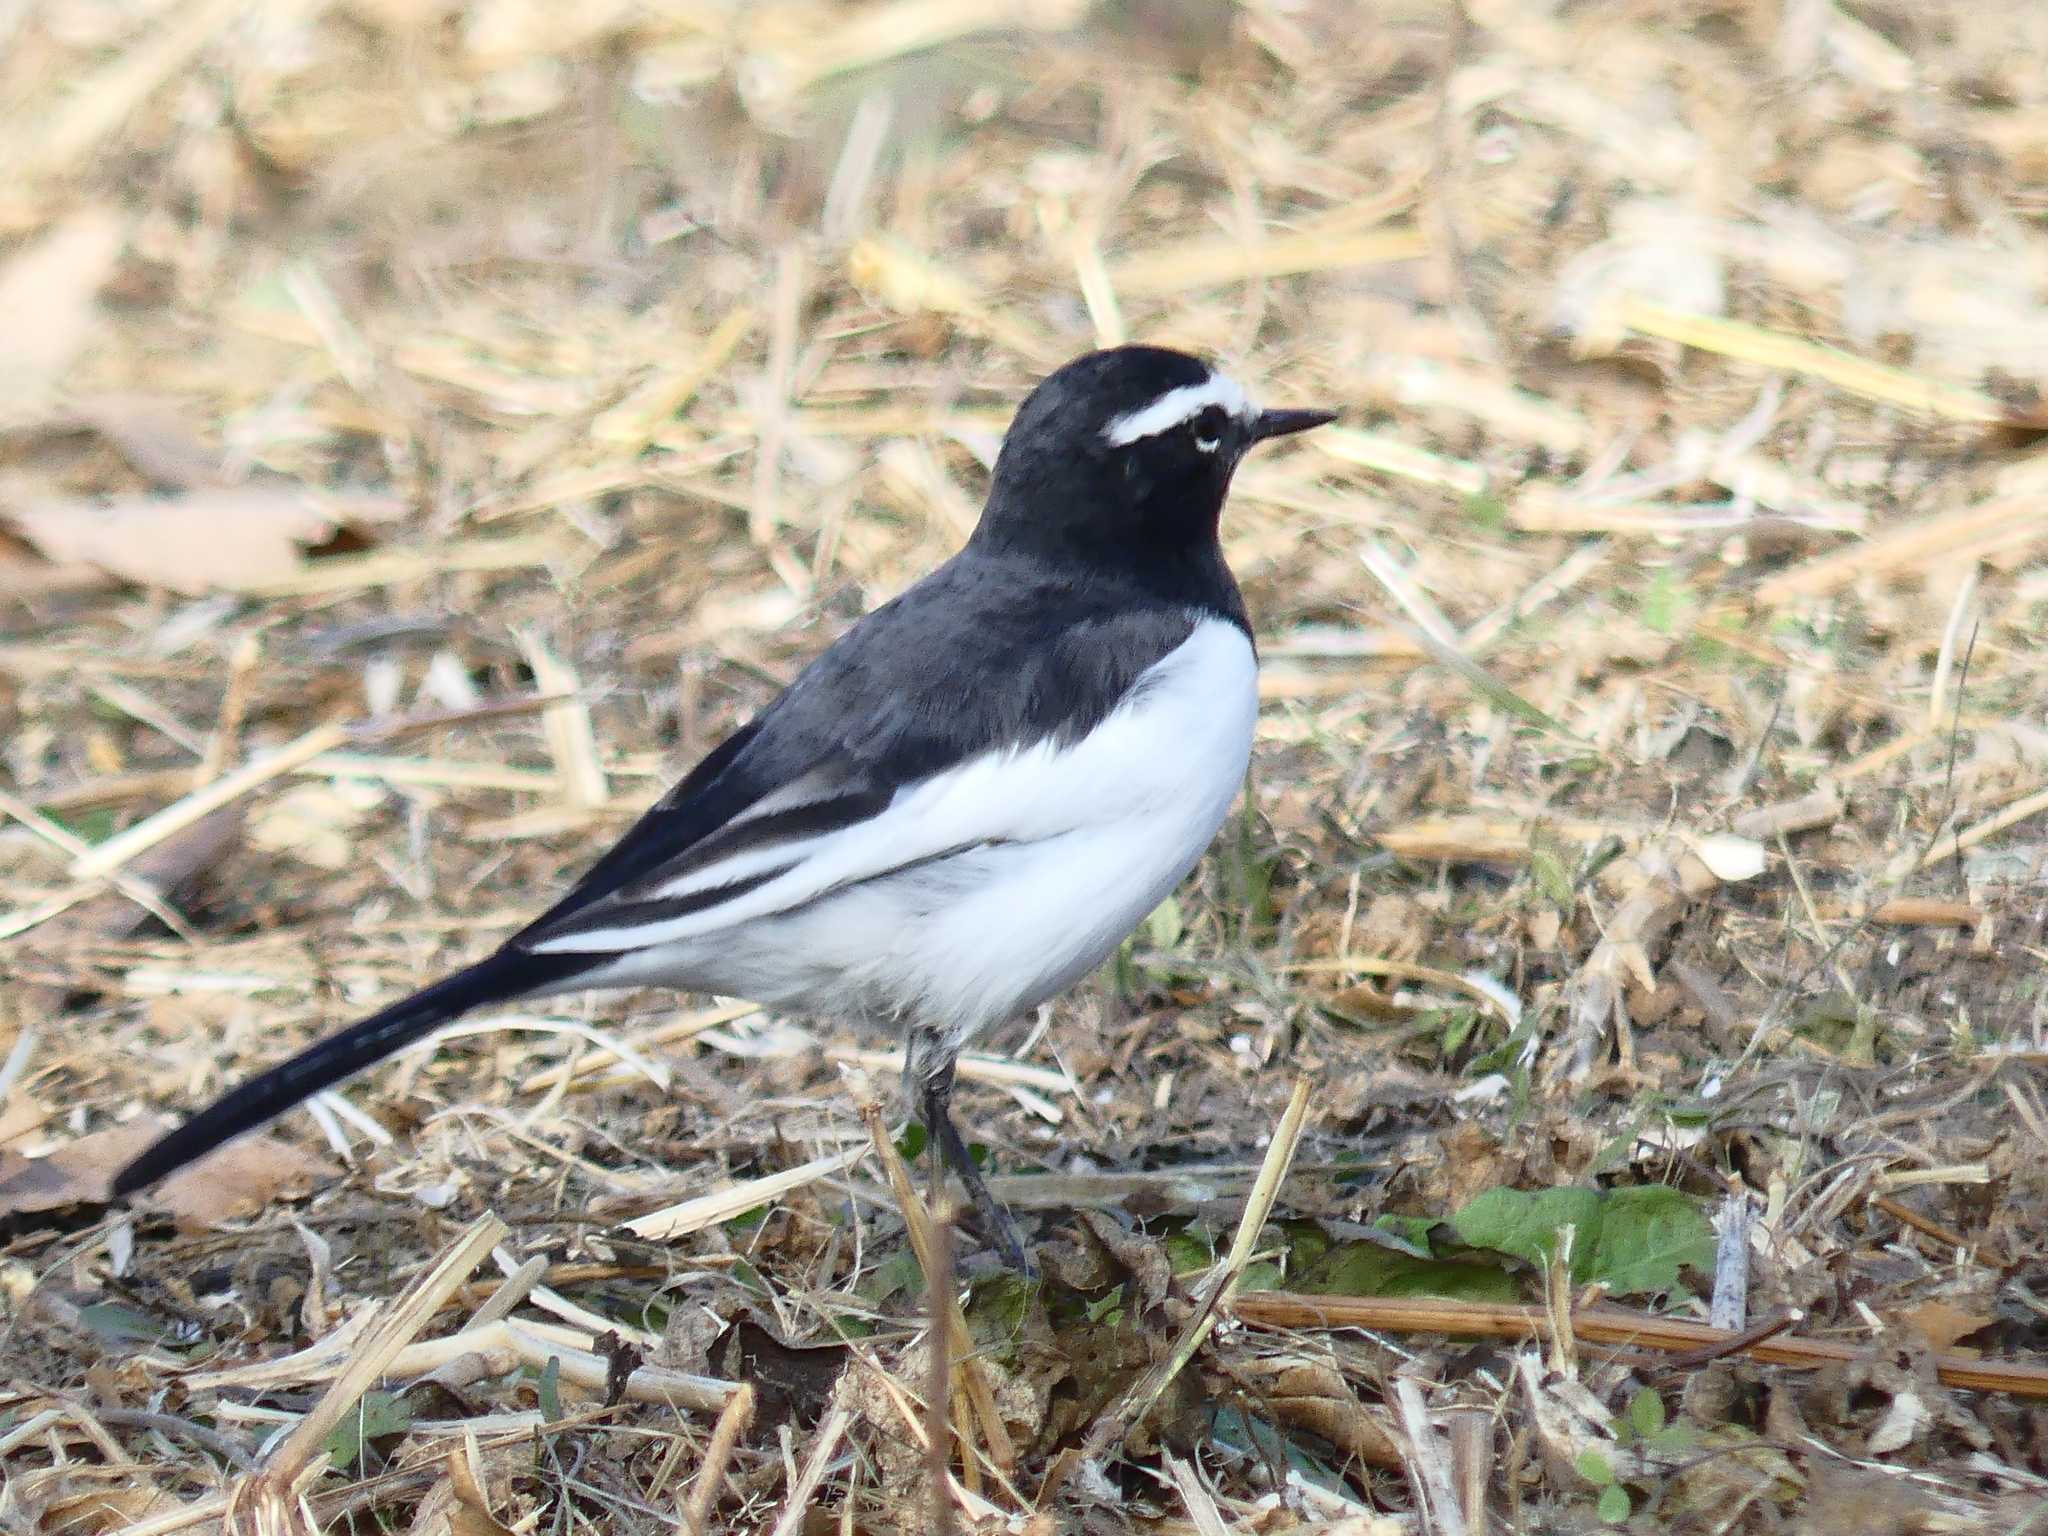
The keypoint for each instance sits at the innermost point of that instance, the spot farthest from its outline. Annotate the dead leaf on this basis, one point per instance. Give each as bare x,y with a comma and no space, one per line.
316,822
49,304
1849,1502
1730,858
173,868
1367,1000
211,538
1305,1393
23,574
458,1505
75,1174
69,1499
153,436
21,1114
1941,1324
238,1181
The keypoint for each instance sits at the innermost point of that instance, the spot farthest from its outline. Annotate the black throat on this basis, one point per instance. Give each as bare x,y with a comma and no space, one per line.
1121,519
1171,558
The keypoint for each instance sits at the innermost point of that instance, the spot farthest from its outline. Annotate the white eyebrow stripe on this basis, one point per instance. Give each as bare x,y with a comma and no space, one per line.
1177,406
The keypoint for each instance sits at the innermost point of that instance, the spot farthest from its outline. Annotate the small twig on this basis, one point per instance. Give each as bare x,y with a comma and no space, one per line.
1472,1464
939,1285
694,1215
1429,1470
732,1423
823,1449
1731,1262
1735,1344
230,1451
139,891
1601,1325
1201,1504
1002,1452
107,857
382,1342
1214,1299
1905,1215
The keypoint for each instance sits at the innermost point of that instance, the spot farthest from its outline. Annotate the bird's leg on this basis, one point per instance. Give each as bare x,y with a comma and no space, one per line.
949,1148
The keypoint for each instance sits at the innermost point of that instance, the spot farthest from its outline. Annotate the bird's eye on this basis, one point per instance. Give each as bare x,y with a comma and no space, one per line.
1209,428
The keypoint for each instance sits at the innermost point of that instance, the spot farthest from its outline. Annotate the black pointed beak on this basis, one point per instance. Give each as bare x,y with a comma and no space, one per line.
1281,423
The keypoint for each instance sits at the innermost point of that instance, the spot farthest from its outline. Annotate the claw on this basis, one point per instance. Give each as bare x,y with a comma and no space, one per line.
952,1152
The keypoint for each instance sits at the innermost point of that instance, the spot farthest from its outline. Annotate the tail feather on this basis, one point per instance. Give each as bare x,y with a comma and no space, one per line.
501,977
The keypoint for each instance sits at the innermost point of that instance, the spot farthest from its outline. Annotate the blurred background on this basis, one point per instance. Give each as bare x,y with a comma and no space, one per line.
426,427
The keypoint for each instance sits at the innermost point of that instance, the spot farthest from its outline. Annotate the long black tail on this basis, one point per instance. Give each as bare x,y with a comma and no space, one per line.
501,977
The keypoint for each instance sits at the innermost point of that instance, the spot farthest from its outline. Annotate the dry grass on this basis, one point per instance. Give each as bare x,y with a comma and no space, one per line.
427,426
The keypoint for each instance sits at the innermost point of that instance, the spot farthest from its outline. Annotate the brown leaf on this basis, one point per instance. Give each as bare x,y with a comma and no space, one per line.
238,1181
792,1380
75,1174
1941,1324
69,1499
151,434
49,293
1304,1393
238,538
458,1506
21,1113
172,867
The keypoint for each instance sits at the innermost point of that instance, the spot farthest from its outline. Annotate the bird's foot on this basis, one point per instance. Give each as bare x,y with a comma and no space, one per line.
996,1220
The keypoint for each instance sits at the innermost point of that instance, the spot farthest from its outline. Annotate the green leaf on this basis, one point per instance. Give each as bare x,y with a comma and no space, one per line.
94,826
910,1145
551,1389
1663,601
1188,1250
376,1414
1646,1413
1412,1230
1107,1308
1594,1467
1307,1244
1365,1268
121,1324
998,1306
1709,653
1614,1504
1164,927
1552,877
1526,1224
1633,1240
1263,1275
1672,1438
899,1272
1487,510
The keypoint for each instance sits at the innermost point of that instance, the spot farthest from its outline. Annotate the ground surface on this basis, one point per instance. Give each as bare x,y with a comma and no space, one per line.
1649,799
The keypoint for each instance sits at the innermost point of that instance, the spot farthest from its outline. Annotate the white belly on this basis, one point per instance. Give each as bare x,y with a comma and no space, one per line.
1080,844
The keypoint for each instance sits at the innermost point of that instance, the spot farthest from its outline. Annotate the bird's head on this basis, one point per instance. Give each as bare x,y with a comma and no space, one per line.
1128,449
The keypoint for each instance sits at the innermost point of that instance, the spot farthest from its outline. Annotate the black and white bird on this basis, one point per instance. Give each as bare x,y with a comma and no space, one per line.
964,804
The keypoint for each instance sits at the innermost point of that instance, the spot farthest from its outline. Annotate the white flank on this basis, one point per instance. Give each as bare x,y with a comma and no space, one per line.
983,890
1177,406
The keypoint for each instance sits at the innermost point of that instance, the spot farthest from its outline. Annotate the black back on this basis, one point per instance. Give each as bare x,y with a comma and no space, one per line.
1091,562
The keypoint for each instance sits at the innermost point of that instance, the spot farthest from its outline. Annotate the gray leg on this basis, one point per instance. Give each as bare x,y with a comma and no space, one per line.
934,1101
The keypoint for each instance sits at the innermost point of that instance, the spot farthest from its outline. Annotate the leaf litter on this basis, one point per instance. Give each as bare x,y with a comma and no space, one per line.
429,429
